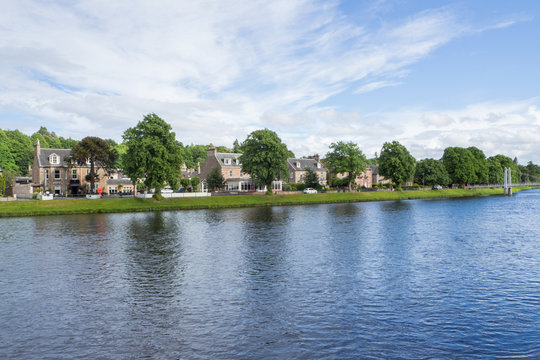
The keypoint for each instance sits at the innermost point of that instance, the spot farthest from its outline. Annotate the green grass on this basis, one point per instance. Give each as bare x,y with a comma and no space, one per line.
84,206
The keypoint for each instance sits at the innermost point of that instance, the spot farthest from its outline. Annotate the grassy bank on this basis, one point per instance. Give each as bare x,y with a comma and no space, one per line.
83,206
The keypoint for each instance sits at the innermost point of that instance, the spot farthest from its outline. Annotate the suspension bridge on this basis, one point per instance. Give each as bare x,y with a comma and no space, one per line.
506,185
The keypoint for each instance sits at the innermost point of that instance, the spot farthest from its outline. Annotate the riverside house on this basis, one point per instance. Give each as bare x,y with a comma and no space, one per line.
51,172
231,169
298,168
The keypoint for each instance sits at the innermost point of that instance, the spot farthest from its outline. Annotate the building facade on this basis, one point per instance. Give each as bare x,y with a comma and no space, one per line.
52,172
231,170
298,168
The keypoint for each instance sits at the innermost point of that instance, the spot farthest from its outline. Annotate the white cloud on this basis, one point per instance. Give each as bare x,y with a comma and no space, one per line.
218,70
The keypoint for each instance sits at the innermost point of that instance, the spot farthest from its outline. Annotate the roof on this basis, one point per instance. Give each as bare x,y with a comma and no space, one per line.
235,162
45,153
122,181
305,164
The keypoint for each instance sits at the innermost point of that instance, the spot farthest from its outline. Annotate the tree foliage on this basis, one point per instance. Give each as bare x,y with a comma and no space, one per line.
497,172
396,163
264,157
153,153
346,158
431,172
460,164
215,179
96,151
480,165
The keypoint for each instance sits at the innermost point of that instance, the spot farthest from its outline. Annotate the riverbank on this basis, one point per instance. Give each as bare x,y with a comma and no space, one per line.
83,206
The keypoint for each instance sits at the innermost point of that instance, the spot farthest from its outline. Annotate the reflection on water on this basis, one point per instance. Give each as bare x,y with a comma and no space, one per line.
410,279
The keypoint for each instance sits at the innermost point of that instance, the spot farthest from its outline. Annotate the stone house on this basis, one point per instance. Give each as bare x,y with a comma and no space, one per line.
231,170
53,173
298,168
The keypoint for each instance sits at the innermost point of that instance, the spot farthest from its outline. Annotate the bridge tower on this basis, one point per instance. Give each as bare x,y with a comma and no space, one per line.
508,181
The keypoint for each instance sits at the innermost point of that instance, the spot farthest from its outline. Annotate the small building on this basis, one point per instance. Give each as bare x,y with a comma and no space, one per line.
20,188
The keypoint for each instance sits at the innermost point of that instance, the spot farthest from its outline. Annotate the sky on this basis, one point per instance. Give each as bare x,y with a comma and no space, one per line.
429,74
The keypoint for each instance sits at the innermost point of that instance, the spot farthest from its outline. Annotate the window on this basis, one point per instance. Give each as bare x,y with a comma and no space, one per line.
57,174
227,161
53,159
318,165
87,171
238,162
74,174
57,189
291,175
46,174
298,165
230,173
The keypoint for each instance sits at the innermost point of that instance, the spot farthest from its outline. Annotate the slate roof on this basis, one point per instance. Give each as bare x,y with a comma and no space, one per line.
61,153
305,164
123,181
235,163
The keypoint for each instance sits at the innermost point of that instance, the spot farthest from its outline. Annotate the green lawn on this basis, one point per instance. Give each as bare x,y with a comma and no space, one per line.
84,206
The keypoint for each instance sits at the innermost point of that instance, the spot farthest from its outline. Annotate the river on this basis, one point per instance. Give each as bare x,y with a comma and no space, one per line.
410,279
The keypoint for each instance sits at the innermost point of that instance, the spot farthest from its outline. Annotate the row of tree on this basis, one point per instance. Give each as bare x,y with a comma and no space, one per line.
151,152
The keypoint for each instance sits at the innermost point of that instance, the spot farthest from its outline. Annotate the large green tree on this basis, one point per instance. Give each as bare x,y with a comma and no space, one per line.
460,164
346,157
152,153
97,152
431,172
396,163
264,157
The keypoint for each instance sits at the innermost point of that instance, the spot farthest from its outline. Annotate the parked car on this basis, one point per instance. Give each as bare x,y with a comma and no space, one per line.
181,190
310,191
167,190
436,187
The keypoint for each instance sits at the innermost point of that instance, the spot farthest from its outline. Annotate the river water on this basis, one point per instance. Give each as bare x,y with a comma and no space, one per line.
410,279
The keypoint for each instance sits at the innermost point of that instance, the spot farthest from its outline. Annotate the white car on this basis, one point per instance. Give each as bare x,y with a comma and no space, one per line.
310,191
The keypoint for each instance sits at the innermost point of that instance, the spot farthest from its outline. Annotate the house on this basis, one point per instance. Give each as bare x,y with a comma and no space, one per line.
376,178
365,179
53,173
298,168
231,170
118,183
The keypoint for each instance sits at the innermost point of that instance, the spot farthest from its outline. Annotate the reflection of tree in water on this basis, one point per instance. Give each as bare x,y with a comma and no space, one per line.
266,239
154,251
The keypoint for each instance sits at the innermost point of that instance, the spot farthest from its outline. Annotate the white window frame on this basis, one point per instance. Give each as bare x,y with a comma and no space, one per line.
54,159
74,175
57,171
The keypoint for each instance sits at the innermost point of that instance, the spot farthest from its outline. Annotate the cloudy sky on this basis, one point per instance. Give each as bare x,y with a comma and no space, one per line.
429,74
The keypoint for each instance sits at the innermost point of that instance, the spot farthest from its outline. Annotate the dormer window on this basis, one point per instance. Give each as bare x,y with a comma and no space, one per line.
237,162
227,161
53,159
298,165
318,165
88,162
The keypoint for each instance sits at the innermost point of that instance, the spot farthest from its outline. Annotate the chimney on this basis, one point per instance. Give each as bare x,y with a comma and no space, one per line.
198,168
316,157
211,151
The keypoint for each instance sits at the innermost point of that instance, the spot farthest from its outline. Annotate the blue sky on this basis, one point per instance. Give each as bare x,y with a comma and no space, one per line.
430,74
